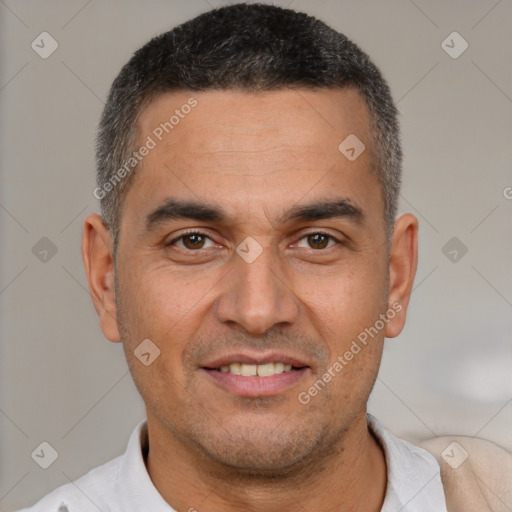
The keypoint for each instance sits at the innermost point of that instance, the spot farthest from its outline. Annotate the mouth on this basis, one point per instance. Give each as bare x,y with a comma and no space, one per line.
256,376
256,370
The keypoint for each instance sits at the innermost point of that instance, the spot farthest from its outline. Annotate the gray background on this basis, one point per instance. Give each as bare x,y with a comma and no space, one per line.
61,382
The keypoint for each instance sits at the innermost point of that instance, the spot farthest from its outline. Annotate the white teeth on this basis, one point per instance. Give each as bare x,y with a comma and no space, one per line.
234,368
278,367
253,370
265,370
248,370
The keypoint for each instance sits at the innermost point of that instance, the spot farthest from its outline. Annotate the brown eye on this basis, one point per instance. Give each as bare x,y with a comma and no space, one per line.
318,240
194,241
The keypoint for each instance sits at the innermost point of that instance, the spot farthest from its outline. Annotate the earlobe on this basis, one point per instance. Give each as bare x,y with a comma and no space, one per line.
403,260
99,268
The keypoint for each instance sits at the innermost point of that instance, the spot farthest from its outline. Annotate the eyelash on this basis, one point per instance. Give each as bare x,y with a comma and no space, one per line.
201,233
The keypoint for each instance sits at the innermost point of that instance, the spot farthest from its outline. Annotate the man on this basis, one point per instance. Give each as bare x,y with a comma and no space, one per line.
249,259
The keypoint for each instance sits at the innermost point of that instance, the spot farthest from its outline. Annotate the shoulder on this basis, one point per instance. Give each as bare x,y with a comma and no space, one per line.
86,494
103,486
476,474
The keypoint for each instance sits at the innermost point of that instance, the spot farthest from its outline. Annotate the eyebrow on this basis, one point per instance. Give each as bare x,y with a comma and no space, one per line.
340,208
174,209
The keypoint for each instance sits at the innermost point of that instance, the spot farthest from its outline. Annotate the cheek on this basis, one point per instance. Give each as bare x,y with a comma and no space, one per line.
344,302
344,307
163,309
167,309
160,303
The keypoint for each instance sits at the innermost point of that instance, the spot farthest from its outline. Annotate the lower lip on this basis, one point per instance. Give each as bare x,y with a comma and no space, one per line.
256,386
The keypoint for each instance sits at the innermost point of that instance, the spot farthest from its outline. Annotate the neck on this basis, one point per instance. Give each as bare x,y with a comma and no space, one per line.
352,476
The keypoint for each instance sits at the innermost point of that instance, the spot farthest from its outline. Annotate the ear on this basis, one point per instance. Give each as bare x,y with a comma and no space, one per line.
99,267
403,260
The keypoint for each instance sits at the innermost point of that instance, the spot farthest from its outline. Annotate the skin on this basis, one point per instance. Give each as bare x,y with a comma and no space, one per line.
255,155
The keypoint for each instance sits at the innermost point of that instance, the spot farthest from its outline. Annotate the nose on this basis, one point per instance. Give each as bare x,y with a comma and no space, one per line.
257,296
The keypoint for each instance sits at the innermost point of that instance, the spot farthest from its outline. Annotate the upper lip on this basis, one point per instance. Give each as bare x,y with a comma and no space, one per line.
255,359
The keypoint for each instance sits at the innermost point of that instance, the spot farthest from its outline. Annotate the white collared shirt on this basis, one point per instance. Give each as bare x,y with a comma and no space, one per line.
124,485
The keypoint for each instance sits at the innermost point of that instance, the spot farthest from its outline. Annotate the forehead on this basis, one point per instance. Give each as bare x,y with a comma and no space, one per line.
243,122
258,149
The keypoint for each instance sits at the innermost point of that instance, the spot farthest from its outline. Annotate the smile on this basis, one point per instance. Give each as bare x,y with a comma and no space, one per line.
253,370
254,381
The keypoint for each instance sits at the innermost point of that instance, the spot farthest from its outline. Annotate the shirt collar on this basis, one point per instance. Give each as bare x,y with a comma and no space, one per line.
414,480
142,494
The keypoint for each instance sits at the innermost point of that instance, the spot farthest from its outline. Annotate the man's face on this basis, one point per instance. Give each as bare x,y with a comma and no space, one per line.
261,173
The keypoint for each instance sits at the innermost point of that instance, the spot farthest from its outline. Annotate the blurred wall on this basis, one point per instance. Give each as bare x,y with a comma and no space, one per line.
62,382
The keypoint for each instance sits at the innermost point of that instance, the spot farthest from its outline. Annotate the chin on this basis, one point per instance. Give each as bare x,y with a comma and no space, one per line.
265,451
